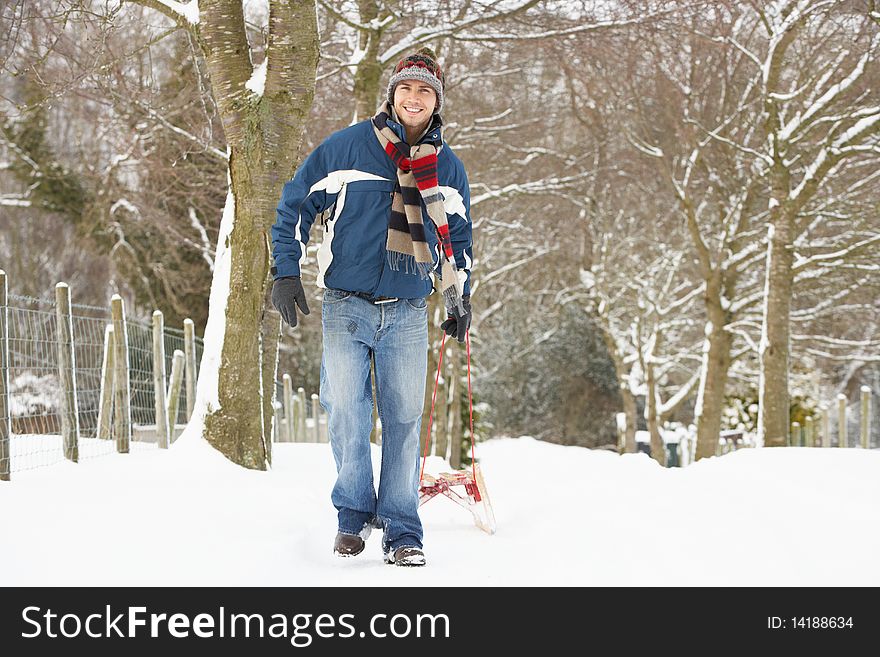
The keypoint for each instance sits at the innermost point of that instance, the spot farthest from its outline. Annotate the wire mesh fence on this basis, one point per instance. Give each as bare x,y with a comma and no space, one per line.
34,386
299,418
140,372
35,394
174,341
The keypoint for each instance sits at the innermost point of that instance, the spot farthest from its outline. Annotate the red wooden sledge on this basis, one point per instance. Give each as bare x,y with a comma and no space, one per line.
474,497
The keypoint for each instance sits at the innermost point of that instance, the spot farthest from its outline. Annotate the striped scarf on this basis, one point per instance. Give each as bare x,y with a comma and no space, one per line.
407,247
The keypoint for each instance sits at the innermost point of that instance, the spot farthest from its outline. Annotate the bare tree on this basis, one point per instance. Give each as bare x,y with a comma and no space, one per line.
818,121
116,141
263,107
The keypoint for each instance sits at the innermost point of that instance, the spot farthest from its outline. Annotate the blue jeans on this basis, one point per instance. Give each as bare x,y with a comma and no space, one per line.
395,334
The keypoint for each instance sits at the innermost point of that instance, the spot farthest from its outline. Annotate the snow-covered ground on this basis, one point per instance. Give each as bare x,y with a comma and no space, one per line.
566,516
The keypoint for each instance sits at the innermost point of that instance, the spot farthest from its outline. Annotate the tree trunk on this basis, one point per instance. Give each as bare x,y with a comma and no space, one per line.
658,449
629,400
630,409
369,71
458,377
713,377
264,136
270,331
441,414
773,402
237,428
455,401
773,349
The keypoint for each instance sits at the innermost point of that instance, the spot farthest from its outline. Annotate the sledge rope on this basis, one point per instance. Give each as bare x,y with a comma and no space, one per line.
467,337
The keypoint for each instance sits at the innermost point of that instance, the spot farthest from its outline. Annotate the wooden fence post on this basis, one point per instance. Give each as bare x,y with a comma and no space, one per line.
865,417
189,346
105,404
809,440
316,416
280,431
67,372
5,409
620,421
177,366
299,410
826,427
288,408
325,427
121,382
300,429
841,420
160,403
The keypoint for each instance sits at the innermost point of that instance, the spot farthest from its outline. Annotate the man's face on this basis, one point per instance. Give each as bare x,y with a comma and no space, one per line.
414,102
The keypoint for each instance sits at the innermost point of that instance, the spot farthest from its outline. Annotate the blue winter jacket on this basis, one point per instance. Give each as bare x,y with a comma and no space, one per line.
346,185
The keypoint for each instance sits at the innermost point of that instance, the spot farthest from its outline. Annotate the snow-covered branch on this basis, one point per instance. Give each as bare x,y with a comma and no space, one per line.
802,121
802,263
532,187
183,13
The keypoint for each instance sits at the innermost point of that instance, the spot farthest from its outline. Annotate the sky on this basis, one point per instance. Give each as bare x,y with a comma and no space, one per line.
566,516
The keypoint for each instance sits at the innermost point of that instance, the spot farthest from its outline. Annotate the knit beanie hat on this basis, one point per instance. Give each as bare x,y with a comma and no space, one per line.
422,66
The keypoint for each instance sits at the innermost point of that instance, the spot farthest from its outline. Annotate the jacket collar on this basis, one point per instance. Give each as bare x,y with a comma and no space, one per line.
433,132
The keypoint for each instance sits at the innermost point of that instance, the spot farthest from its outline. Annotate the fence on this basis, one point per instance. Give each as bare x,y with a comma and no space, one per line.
852,428
838,427
296,413
69,389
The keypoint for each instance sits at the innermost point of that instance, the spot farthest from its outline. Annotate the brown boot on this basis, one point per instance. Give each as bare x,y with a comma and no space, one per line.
406,556
348,545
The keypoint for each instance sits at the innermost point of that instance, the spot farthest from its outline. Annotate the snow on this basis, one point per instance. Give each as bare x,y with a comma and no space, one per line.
203,235
835,90
186,516
704,371
189,10
257,83
764,343
207,393
128,205
30,394
588,279
668,437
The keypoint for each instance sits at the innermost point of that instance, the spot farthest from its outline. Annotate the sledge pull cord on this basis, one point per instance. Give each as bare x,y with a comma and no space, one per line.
476,497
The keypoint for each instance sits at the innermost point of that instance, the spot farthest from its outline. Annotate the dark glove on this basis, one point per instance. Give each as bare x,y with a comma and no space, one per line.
456,324
287,293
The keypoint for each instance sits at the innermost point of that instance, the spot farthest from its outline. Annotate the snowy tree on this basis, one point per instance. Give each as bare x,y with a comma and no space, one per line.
683,92
117,145
820,119
483,48
693,107
263,106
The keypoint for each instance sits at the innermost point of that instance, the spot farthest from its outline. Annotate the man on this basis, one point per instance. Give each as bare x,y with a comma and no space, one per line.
393,202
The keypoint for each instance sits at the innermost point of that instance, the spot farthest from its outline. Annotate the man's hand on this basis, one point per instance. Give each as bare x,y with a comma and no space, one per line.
456,324
287,294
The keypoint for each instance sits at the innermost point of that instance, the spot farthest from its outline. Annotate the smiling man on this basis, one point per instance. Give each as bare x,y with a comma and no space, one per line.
394,205
414,104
